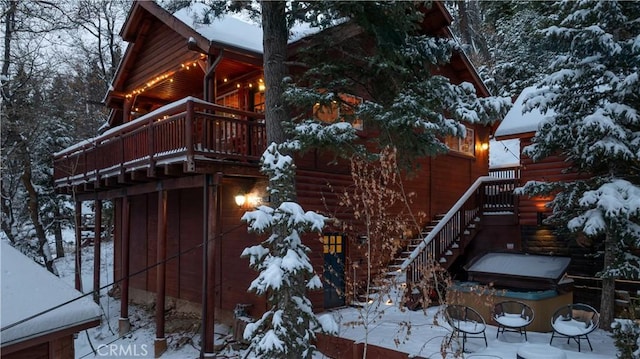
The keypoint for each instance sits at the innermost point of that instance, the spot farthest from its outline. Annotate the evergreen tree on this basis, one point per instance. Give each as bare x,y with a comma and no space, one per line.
518,58
287,328
594,90
390,62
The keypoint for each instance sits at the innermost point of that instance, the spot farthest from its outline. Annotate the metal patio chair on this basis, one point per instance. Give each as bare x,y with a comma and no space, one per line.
512,316
467,321
574,321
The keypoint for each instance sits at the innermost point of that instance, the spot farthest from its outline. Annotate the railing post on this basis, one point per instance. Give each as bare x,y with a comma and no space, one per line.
151,172
190,165
122,149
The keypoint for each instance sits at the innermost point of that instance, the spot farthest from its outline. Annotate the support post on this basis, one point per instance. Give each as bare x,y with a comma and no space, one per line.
78,263
124,326
160,344
211,223
97,231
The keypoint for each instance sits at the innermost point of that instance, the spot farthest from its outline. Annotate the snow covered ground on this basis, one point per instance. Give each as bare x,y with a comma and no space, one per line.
416,333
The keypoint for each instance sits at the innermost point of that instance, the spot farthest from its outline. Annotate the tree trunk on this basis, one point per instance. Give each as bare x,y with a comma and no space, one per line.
57,231
7,213
34,211
608,284
274,24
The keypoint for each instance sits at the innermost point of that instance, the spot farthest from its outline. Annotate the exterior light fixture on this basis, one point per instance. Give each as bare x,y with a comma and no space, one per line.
484,146
240,199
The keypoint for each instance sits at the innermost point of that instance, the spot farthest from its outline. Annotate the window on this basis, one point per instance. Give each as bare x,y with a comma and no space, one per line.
343,111
332,244
464,145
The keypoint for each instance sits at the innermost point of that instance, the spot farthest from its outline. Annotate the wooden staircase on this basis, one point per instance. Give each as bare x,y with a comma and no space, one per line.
445,238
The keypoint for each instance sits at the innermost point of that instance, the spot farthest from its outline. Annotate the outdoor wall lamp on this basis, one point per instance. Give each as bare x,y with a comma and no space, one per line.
247,200
240,199
484,146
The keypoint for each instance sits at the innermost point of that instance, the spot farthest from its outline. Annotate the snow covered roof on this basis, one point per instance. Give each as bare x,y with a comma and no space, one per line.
232,30
28,289
517,123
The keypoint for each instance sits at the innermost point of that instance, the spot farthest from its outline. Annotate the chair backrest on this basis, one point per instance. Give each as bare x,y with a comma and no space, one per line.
513,307
575,313
458,314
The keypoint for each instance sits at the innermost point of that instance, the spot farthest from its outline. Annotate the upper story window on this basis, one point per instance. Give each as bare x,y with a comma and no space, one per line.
464,145
342,110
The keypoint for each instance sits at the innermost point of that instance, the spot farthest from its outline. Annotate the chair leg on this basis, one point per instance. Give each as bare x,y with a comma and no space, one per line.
464,340
552,335
525,334
578,344
588,341
485,339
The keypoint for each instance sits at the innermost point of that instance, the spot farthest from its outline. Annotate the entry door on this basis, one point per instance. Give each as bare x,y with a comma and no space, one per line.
333,270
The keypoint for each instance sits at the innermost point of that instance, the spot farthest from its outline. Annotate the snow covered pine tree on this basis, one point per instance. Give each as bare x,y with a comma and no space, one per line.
594,90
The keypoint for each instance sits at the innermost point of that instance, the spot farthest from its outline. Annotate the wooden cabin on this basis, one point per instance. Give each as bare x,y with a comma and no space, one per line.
184,140
40,312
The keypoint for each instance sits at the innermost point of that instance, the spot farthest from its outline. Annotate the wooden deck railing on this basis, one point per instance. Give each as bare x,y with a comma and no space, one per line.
181,132
486,194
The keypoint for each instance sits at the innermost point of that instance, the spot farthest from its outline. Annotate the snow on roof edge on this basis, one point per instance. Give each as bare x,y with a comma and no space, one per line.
234,31
29,290
516,122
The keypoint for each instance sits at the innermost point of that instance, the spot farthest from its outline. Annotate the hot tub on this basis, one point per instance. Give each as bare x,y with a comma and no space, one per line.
538,281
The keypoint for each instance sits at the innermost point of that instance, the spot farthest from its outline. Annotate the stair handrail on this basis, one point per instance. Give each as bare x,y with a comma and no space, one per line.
448,216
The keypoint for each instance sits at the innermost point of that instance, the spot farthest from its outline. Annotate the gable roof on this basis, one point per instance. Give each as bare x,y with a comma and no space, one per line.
28,290
519,124
239,42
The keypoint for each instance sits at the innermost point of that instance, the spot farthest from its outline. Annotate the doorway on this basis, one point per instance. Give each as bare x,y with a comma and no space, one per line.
333,249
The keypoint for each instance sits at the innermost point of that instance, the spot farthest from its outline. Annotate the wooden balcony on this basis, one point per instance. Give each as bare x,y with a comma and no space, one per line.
182,138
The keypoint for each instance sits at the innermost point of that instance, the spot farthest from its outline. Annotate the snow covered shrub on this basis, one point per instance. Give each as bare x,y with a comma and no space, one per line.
626,335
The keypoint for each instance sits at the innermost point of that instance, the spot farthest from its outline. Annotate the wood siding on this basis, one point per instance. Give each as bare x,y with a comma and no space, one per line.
151,58
548,169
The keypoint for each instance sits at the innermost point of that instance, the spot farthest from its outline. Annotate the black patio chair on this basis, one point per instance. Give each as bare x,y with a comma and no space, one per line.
467,321
574,321
512,316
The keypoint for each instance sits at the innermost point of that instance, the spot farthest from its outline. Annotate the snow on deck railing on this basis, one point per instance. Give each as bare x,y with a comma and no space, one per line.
441,224
456,221
189,126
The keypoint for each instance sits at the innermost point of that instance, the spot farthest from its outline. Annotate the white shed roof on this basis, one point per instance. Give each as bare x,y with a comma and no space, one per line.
27,290
516,122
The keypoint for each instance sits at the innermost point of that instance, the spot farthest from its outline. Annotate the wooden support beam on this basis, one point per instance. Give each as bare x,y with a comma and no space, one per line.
210,228
160,344
78,264
124,326
97,230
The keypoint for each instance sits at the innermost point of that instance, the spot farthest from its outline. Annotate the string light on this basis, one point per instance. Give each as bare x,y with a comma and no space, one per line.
161,78
186,66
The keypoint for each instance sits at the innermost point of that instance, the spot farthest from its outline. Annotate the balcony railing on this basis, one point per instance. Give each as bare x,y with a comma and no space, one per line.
183,132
